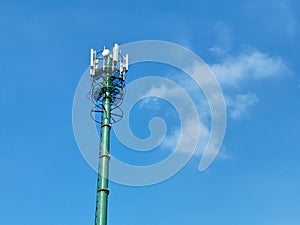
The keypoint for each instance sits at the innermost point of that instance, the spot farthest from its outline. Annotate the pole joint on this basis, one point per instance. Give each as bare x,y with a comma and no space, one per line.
104,156
106,190
106,125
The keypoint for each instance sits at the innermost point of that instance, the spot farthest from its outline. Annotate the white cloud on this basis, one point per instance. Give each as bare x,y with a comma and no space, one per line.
188,137
150,103
223,36
191,128
218,50
230,72
239,105
193,134
250,65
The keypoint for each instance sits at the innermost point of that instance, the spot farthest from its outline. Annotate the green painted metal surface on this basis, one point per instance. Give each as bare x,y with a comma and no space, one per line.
102,185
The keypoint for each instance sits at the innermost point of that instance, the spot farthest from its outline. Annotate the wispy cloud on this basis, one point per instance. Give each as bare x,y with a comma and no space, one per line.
192,130
187,136
223,37
238,105
248,65
231,72
150,103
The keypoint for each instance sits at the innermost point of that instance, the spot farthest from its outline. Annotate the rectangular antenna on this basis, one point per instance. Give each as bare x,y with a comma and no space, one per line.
116,53
92,57
126,62
92,62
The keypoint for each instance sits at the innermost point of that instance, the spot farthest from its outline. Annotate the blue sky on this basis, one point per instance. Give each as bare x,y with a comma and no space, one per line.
252,46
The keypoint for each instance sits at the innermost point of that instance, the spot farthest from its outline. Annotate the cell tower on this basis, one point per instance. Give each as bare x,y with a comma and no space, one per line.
108,70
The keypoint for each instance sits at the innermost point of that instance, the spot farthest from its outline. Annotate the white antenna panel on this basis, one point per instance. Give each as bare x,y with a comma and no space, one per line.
116,53
92,58
126,62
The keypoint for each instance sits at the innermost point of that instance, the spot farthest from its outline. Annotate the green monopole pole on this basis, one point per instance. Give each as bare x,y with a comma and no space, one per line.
102,185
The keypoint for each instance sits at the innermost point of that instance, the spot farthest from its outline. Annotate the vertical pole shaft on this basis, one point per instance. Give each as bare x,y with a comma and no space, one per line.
102,185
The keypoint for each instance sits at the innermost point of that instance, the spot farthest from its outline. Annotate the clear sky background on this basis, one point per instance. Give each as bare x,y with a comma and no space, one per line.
253,48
